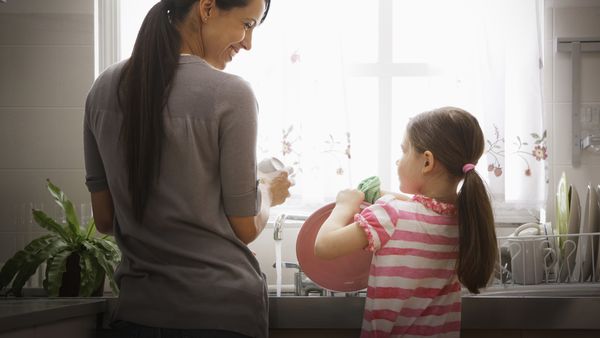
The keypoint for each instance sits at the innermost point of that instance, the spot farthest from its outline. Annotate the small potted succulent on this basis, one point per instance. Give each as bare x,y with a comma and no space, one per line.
77,261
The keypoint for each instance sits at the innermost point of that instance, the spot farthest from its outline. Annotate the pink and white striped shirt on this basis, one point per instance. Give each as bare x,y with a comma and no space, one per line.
413,288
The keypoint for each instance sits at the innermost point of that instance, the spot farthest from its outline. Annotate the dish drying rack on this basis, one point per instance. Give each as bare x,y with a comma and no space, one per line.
563,259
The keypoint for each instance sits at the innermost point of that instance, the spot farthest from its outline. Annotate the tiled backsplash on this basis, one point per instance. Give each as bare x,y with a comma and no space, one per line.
563,19
46,67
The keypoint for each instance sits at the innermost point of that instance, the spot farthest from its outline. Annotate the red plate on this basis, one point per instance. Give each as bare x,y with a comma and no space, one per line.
344,274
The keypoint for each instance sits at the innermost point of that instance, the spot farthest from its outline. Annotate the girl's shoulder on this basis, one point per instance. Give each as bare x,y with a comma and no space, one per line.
441,208
391,204
418,204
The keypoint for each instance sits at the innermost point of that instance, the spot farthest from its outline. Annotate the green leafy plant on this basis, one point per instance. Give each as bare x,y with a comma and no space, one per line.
97,256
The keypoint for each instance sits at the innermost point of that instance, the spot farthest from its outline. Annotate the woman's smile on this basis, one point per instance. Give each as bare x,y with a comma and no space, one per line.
232,52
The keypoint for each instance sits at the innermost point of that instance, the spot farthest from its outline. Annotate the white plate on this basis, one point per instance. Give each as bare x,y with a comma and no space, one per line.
597,271
569,244
587,248
562,206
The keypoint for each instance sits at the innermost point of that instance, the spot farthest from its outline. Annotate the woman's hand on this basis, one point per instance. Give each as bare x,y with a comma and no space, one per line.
275,189
278,185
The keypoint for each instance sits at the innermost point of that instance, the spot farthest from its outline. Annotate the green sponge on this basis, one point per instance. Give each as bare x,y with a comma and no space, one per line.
370,187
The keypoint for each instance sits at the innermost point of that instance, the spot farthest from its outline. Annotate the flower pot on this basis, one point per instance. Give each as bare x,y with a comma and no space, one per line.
71,279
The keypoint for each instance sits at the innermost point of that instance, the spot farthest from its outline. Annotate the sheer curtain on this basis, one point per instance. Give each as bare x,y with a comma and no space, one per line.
337,81
308,119
484,56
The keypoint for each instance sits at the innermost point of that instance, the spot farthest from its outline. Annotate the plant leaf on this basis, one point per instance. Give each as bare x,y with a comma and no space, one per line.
90,228
48,223
110,249
33,260
67,206
12,266
89,272
56,268
25,272
107,265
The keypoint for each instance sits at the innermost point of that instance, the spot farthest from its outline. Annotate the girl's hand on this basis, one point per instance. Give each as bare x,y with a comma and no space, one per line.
339,235
350,199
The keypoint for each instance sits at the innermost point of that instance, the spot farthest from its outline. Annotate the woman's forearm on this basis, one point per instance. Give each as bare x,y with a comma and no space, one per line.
260,220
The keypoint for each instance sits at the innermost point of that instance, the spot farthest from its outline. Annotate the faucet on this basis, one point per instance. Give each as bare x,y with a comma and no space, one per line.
280,222
303,285
278,227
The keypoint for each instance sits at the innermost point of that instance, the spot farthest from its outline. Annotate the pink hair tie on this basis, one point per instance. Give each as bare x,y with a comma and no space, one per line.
468,167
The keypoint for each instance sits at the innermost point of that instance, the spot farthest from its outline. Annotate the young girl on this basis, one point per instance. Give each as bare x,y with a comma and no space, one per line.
424,247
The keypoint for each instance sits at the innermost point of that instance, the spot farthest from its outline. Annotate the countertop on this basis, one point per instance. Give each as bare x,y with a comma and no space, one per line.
16,313
514,309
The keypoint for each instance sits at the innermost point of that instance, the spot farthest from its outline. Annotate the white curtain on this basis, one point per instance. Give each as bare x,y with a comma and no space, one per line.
317,116
297,69
512,107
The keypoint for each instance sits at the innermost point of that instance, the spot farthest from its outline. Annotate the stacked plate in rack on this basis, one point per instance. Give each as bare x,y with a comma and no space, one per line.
579,229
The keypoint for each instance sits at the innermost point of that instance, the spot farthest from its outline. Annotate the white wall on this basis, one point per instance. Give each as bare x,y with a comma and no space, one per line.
569,18
46,69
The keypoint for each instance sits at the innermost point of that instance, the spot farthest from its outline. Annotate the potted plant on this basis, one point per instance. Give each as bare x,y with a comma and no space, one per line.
77,261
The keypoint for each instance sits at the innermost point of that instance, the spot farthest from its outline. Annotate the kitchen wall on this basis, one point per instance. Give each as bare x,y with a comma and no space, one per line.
569,18
46,69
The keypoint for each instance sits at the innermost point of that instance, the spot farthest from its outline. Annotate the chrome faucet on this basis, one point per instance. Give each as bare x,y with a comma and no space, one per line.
280,222
303,286
278,227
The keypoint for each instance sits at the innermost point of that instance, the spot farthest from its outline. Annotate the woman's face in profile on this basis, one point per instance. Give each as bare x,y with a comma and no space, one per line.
224,33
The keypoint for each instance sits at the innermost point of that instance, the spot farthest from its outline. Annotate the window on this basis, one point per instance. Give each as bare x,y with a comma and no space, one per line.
337,81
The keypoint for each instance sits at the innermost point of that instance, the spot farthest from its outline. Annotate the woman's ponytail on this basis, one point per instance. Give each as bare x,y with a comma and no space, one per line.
143,91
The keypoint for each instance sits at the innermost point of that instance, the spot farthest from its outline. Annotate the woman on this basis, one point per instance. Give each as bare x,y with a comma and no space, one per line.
170,143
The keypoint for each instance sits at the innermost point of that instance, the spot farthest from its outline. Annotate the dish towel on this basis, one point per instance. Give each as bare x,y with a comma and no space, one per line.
370,186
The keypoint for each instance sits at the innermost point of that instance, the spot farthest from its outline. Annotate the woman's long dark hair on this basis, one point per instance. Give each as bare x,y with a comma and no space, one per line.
144,88
455,139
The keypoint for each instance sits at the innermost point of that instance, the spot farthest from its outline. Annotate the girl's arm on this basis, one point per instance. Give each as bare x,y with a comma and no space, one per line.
339,235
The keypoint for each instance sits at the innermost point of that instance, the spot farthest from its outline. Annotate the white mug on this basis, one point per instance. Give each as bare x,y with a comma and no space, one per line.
532,256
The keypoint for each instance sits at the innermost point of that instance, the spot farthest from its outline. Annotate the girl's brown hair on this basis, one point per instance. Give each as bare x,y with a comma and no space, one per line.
455,139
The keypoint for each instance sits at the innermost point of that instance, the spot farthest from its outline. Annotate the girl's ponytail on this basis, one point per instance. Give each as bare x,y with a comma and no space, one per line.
456,139
478,248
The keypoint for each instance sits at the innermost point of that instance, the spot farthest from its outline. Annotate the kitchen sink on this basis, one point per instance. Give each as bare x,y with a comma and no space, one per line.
543,290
